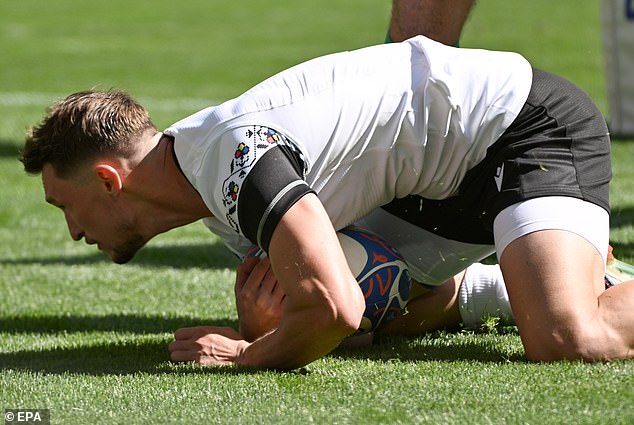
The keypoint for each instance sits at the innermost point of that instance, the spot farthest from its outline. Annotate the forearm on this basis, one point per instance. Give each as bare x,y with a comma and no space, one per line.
301,339
323,302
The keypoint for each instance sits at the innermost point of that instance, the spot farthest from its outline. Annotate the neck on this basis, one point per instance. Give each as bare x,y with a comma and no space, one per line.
169,200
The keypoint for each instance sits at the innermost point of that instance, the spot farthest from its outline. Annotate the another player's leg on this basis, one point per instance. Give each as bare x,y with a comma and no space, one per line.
440,20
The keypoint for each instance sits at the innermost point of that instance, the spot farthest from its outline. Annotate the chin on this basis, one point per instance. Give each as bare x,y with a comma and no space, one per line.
125,254
120,259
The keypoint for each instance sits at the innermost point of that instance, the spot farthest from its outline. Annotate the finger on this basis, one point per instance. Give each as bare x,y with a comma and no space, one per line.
185,350
213,349
186,356
258,273
269,282
179,345
278,294
193,332
243,271
200,358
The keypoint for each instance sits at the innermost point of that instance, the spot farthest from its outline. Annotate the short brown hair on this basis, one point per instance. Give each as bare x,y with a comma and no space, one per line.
85,126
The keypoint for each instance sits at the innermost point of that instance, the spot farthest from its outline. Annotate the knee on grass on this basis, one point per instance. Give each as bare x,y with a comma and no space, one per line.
588,341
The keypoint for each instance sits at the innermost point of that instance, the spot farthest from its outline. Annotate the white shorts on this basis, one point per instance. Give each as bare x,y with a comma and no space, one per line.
583,218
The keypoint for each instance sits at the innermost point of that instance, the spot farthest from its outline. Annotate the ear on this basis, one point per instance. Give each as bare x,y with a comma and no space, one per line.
109,178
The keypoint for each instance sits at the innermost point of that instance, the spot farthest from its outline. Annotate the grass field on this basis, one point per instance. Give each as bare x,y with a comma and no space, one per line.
88,339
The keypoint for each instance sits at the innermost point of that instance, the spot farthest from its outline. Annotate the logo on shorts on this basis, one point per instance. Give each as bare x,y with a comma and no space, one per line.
499,177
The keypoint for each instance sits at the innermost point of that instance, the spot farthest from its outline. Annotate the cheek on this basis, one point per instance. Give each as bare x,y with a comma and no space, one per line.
94,219
113,223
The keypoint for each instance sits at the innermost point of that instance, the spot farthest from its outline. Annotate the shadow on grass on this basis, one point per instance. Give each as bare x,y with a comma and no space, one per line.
129,323
152,357
114,358
67,260
99,359
442,346
624,250
621,216
204,255
139,345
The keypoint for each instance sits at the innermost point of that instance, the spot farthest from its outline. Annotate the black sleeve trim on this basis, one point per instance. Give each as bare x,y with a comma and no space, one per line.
273,185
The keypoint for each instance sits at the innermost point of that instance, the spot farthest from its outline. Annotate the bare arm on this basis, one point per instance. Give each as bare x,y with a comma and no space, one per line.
322,306
323,301
259,302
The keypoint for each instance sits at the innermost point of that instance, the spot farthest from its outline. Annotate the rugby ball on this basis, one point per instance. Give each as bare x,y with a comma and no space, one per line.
381,272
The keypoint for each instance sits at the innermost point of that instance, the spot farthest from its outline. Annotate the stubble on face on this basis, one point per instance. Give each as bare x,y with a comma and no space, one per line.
124,254
125,251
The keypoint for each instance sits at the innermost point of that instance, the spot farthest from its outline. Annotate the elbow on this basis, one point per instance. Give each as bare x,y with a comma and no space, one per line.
345,312
357,308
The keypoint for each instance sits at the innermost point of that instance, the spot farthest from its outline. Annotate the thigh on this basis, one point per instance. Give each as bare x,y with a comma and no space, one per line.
552,255
573,215
552,278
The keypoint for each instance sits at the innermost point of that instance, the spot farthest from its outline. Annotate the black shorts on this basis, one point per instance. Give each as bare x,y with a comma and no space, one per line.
557,146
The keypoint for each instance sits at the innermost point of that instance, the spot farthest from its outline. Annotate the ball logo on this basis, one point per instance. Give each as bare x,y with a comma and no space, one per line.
377,277
381,273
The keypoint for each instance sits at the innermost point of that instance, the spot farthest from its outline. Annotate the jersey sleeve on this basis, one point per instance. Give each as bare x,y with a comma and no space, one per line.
266,177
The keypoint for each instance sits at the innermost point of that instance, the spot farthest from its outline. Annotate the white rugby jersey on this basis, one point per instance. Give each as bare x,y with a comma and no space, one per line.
358,128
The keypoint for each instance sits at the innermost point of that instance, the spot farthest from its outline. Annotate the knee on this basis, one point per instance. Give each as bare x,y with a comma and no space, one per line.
582,341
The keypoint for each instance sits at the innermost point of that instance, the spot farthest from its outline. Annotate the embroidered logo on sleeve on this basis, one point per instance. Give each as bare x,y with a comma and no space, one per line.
251,146
242,151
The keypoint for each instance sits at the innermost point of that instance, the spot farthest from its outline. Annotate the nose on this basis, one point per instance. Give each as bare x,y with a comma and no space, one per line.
75,232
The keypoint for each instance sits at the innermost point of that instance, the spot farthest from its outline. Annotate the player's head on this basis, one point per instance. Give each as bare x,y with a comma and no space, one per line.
85,148
85,126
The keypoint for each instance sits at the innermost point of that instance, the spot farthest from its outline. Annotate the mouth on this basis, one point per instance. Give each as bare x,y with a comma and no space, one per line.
94,242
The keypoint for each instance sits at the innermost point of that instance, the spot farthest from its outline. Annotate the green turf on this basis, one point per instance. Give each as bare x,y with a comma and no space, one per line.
87,339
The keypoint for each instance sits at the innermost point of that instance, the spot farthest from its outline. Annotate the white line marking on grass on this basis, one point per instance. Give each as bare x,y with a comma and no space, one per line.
12,99
26,99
